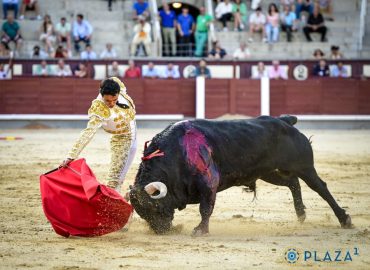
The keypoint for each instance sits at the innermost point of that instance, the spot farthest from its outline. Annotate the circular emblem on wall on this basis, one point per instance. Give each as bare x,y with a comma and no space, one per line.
300,72
291,255
188,71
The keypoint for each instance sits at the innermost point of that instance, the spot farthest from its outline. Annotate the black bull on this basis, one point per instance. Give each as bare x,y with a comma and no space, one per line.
190,161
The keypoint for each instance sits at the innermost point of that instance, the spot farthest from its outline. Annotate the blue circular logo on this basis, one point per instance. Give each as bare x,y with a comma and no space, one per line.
291,255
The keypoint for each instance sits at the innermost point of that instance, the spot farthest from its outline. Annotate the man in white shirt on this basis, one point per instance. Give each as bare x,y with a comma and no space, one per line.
108,53
224,12
171,72
257,22
242,52
142,32
150,71
82,31
88,53
63,70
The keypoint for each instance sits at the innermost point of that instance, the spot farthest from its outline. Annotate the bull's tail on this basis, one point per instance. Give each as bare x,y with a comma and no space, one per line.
289,119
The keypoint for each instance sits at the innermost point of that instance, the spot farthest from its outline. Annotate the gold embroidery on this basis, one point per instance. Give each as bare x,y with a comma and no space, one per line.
120,148
98,108
121,84
85,136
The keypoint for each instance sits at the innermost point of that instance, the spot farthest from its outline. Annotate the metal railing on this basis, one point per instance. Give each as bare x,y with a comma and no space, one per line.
209,10
157,36
362,23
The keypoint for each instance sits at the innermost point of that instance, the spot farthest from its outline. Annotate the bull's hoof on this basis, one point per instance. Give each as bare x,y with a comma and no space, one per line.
302,218
199,232
348,223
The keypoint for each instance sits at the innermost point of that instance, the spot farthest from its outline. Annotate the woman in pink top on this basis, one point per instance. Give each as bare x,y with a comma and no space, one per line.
272,25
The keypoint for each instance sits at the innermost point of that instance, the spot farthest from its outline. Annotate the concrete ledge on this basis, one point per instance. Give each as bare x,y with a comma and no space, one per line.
333,121
79,117
324,117
10,121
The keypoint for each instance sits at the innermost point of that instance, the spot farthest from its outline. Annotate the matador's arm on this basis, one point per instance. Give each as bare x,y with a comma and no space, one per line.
85,137
98,112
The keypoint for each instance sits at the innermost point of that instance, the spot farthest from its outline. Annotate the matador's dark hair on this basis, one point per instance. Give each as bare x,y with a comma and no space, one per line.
109,87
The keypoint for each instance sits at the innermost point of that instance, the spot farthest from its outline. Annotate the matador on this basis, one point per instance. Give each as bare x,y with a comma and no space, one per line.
114,111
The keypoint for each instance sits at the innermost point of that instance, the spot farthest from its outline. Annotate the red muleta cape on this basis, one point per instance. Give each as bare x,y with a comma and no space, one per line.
75,203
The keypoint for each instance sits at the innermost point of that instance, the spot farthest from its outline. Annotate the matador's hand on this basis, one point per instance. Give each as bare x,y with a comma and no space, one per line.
65,162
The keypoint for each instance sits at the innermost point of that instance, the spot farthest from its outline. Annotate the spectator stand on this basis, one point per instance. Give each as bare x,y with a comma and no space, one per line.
219,68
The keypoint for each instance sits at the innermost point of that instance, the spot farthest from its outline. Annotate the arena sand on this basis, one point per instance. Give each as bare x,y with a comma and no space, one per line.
244,234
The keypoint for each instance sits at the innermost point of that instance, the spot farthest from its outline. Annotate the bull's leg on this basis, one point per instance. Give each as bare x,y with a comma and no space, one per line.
309,175
207,203
292,183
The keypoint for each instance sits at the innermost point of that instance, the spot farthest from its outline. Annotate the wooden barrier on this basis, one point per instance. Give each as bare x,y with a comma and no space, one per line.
223,96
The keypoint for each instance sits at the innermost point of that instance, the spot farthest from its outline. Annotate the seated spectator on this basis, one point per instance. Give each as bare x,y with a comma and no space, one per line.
318,54
142,31
168,23
260,72
335,53
63,31
132,71
37,53
255,4
4,50
202,70
61,52
63,70
224,13
11,32
315,23
288,18
240,15
257,21
217,52
277,72
82,31
339,71
242,52
43,69
81,71
326,7
151,72
10,4
171,72
3,72
321,69
141,8
47,34
30,5
304,5
272,23
109,52
88,53
113,70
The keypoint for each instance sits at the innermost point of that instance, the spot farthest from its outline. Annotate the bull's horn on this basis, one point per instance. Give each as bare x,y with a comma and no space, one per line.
156,186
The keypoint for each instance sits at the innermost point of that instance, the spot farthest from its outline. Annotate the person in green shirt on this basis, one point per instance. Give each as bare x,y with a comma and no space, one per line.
11,32
240,14
201,32
42,70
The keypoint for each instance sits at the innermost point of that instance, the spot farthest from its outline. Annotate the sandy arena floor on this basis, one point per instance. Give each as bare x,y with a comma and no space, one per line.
244,233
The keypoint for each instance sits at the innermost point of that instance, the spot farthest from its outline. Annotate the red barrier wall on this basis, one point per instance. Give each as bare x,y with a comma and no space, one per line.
73,96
